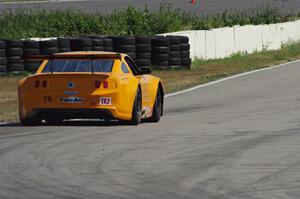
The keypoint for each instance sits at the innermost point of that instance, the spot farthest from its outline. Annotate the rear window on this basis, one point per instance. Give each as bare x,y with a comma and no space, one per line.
77,65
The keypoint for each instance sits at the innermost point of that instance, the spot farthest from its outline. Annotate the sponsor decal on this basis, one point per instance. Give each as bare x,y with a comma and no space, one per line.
71,100
71,92
105,101
71,84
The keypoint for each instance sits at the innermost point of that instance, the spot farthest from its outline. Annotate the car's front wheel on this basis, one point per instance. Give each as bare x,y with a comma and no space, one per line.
137,109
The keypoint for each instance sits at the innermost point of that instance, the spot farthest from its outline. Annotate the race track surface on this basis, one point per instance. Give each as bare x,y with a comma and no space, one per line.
202,6
238,139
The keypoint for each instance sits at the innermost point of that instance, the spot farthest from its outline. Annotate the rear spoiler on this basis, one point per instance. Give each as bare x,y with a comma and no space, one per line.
72,56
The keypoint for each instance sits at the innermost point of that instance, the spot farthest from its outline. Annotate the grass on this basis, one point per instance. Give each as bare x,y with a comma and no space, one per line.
131,21
202,71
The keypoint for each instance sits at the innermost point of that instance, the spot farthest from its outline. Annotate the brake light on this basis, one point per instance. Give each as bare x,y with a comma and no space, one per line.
105,84
44,83
37,84
97,84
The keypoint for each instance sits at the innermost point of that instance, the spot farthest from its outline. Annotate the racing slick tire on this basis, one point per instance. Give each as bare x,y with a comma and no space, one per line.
31,121
157,109
137,109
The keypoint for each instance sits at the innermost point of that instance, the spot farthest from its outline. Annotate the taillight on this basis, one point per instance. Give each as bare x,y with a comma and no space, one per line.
44,83
105,84
97,84
37,84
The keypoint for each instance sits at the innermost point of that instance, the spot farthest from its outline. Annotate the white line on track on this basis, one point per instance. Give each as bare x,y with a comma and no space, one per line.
228,78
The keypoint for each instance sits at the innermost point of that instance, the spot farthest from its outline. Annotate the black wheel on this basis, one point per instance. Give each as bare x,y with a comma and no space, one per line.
109,49
157,109
137,109
15,67
15,60
184,39
31,66
30,121
175,62
108,42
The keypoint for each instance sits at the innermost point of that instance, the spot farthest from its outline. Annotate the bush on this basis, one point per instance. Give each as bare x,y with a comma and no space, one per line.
131,21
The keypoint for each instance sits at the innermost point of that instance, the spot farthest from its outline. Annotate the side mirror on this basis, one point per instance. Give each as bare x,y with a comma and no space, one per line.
145,70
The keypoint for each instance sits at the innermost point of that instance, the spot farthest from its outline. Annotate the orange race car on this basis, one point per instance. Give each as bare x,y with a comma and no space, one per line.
79,85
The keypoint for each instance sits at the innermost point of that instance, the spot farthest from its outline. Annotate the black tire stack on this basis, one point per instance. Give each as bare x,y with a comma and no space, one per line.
143,51
185,52
14,52
30,48
81,44
3,59
160,52
174,54
124,45
108,45
49,47
63,45
97,43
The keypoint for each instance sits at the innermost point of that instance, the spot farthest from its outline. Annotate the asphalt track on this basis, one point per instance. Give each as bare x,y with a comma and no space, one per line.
202,6
235,139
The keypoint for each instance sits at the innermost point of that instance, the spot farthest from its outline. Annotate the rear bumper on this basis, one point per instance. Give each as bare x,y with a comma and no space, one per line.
72,113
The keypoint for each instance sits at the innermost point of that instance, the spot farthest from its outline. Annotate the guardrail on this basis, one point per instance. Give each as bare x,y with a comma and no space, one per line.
223,42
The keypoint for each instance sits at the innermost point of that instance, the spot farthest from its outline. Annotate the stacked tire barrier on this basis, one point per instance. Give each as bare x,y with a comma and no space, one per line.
143,50
108,45
160,52
3,59
126,45
31,48
81,44
186,61
14,52
174,53
49,47
63,45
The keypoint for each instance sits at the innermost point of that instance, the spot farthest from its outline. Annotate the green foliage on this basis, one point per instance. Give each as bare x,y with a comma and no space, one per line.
131,21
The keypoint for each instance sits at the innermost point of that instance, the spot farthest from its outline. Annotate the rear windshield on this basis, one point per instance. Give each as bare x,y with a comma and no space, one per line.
59,65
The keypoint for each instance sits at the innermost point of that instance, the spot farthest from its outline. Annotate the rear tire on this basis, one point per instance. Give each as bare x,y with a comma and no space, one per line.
31,121
157,109
137,109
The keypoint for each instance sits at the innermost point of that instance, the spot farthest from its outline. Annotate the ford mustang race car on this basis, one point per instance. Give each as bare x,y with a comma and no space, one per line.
80,85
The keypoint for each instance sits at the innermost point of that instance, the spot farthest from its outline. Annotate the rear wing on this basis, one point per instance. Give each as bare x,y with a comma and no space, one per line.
72,56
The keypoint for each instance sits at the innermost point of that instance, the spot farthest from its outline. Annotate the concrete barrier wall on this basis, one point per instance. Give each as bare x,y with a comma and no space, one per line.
223,42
